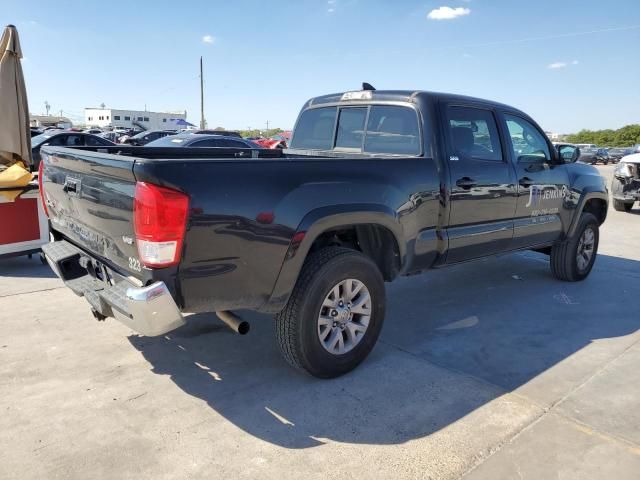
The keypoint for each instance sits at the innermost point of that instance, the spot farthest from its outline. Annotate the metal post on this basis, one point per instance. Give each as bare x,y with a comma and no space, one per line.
202,122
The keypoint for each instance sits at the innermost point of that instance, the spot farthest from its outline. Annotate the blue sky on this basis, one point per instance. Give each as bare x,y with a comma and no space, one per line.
264,59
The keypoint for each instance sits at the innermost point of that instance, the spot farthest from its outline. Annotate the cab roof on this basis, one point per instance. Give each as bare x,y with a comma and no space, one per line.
410,96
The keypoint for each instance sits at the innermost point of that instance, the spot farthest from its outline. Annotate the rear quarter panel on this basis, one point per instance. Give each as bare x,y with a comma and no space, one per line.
244,214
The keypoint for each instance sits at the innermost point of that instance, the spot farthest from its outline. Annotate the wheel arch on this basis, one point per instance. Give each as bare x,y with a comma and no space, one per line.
592,200
374,225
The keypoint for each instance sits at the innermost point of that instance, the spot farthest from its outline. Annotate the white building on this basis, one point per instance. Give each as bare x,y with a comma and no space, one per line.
111,117
555,137
49,121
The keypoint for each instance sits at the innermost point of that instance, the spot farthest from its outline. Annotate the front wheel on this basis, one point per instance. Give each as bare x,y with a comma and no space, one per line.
334,315
573,259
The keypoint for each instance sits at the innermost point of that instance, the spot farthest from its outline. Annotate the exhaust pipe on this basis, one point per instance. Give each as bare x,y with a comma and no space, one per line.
234,322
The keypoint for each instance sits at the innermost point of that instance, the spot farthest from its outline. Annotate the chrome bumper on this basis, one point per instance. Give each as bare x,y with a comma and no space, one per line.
149,310
152,310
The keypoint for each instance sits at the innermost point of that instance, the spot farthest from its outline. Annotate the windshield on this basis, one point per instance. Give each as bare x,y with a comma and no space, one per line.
40,139
140,135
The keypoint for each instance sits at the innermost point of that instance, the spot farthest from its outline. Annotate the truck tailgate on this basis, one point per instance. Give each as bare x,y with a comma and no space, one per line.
89,197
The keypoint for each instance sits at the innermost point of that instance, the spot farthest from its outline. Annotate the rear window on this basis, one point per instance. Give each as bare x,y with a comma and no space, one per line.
314,130
392,130
351,128
377,129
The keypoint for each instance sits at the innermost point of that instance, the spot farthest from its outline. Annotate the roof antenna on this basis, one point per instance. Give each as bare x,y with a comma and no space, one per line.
367,86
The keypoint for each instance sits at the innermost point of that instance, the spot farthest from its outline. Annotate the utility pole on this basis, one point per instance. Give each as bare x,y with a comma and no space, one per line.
203,124
47,107
267,126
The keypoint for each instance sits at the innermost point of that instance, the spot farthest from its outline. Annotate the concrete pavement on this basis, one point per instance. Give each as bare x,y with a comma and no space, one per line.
486,370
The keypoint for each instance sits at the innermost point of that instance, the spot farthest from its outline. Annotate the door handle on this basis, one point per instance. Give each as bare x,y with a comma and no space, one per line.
466,183
525,182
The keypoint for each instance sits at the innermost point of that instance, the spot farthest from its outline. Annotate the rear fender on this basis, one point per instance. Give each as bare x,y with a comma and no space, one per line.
319,221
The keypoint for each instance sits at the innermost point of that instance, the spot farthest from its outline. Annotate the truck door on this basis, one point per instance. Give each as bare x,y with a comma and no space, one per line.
542,185
483,188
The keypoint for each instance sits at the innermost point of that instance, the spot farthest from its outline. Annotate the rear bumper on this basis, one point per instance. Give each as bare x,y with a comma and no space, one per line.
149,310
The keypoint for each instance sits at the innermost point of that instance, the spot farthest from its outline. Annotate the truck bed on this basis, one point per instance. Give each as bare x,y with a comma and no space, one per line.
244,211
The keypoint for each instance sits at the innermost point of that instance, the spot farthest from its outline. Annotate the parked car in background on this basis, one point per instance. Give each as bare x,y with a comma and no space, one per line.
202,140
35,131
224,133
602,155
271,142
588,155
616,153
280,140
113,136
93,131
625,186
64,139
147,136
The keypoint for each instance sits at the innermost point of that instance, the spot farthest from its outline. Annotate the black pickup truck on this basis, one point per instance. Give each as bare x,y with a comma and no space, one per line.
375,184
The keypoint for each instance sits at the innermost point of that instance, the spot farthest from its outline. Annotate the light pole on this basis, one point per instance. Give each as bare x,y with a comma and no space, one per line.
202,121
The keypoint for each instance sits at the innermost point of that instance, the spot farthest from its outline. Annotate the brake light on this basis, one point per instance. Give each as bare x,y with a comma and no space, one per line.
159,220
41,187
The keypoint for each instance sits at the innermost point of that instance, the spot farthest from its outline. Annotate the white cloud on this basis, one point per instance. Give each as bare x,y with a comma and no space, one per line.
331,2
208,39
556,65
448,13
331,10
575,62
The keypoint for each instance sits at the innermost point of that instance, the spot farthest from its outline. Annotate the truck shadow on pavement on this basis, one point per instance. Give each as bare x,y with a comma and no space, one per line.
453,341
24,267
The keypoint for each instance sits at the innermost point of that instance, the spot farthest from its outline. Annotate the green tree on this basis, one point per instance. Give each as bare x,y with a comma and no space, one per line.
623,137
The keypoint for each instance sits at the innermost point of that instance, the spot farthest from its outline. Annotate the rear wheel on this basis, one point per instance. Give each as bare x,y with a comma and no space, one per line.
620,206
334,315
573,259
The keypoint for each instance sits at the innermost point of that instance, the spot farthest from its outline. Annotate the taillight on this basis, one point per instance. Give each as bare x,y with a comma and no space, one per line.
41,187
159,219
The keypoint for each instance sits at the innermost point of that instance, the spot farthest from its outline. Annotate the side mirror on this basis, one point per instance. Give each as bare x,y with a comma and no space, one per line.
568,153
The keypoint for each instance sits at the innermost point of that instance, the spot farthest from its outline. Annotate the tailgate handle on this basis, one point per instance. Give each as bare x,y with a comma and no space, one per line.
71,186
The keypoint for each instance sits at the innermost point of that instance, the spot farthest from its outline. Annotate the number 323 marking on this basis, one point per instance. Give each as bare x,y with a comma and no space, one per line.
134,264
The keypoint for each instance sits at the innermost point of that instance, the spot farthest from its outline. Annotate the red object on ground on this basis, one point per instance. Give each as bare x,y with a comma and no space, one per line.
19,221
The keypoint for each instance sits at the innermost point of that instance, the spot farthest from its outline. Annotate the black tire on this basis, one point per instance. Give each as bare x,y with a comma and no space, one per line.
564,265
297,324
620,206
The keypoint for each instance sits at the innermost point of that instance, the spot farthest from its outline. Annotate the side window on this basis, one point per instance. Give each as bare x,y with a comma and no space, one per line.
314,130
60,141
74,141
527,143
351,128
92,142
392,130
474,134
234,144
207,143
